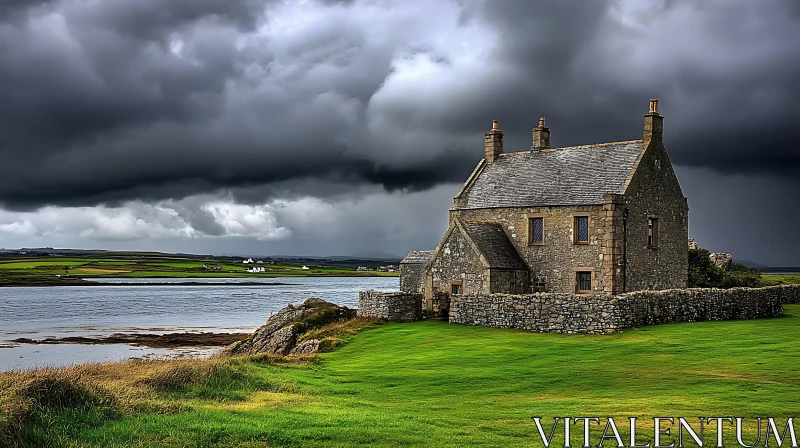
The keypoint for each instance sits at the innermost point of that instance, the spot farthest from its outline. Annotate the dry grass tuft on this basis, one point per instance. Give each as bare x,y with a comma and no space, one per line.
135,386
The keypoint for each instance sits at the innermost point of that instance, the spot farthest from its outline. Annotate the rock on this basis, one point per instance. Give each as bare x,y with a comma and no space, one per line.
722,260
306,348
279,334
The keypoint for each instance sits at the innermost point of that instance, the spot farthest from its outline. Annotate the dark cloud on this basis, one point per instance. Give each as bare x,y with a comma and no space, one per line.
112,101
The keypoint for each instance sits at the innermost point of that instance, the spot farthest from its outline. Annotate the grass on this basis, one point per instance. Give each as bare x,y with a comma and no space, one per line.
780,279
427,384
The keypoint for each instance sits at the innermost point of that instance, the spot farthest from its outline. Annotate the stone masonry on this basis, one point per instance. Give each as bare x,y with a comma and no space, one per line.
569,313
392,306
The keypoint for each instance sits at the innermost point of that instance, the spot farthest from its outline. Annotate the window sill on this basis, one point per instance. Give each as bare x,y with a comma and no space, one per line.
580,243
535,244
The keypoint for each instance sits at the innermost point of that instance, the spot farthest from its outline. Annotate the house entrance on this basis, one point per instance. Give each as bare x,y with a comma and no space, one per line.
439,305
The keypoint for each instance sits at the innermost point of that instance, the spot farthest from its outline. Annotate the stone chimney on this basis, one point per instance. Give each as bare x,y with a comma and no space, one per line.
541,136
653,124
493,143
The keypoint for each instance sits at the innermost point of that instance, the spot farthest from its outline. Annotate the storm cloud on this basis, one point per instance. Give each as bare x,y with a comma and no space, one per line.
254,103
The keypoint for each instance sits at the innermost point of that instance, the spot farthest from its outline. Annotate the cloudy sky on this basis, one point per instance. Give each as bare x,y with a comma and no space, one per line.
332,127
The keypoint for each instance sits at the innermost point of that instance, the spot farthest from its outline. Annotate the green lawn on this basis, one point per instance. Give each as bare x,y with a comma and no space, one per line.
438,384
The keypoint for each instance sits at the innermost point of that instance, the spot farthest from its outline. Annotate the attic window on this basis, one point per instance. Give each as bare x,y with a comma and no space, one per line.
536,228
652,233
456,288
581,230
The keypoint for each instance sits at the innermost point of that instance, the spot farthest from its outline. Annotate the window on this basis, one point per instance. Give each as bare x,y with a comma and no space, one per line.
536,230
652,233
581,230
456,289
584,281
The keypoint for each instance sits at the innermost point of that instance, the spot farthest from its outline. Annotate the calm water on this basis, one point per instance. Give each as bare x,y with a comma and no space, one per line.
36,313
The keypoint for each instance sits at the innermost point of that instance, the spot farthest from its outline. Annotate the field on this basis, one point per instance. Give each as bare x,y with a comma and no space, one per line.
780,279
436,384
69,270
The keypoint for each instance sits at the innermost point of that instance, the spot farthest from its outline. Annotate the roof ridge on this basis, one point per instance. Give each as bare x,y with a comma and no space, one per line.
563,148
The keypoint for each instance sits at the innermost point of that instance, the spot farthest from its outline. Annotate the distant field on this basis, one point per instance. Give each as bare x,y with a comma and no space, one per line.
49,270
780,279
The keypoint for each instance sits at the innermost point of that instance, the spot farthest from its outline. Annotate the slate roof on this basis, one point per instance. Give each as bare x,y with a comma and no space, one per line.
577,175
494,245
417,256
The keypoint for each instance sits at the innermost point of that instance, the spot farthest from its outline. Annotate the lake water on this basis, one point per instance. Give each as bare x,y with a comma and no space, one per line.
37,313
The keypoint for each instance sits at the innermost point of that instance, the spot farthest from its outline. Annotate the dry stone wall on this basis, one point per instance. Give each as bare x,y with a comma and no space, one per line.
392,306
593,314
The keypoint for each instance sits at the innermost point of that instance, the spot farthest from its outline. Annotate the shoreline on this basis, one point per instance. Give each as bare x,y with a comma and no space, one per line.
169,340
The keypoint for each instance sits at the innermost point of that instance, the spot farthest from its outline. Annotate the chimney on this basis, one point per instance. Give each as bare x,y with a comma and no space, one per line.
493,143
653,124
541,136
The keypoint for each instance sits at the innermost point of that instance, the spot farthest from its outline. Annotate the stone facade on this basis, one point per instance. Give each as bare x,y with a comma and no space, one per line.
594,314
459,262
392,306
654,192
554,262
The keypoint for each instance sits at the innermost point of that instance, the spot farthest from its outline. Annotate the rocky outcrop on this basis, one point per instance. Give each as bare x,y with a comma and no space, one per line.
283,329
306,348
722,260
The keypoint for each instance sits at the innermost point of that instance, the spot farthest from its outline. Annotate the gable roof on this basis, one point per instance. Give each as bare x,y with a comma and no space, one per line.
417,256
576,175
491,241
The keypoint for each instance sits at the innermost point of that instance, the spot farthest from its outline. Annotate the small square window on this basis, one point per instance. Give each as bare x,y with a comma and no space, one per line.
581,230
456,289
583,281
652,233
536,230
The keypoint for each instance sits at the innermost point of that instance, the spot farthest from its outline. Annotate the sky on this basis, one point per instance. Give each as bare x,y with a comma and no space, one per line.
336,127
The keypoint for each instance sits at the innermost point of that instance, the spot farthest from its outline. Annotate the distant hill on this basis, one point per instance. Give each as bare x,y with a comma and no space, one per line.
751,264
371,256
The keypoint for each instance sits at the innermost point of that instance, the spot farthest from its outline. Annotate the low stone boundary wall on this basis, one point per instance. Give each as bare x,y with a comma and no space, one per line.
702,304
543,312
789,294
568,313
393,306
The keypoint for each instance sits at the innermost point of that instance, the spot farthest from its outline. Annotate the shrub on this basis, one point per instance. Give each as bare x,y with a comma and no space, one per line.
703,273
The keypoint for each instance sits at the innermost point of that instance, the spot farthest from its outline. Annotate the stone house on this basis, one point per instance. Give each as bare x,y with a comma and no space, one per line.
604,218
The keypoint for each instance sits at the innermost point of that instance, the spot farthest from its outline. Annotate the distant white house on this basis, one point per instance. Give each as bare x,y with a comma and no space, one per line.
248,261
260,262
255,270
305,268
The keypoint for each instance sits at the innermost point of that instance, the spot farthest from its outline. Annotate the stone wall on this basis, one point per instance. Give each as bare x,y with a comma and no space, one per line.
543,312
412,277
569,313
392,306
